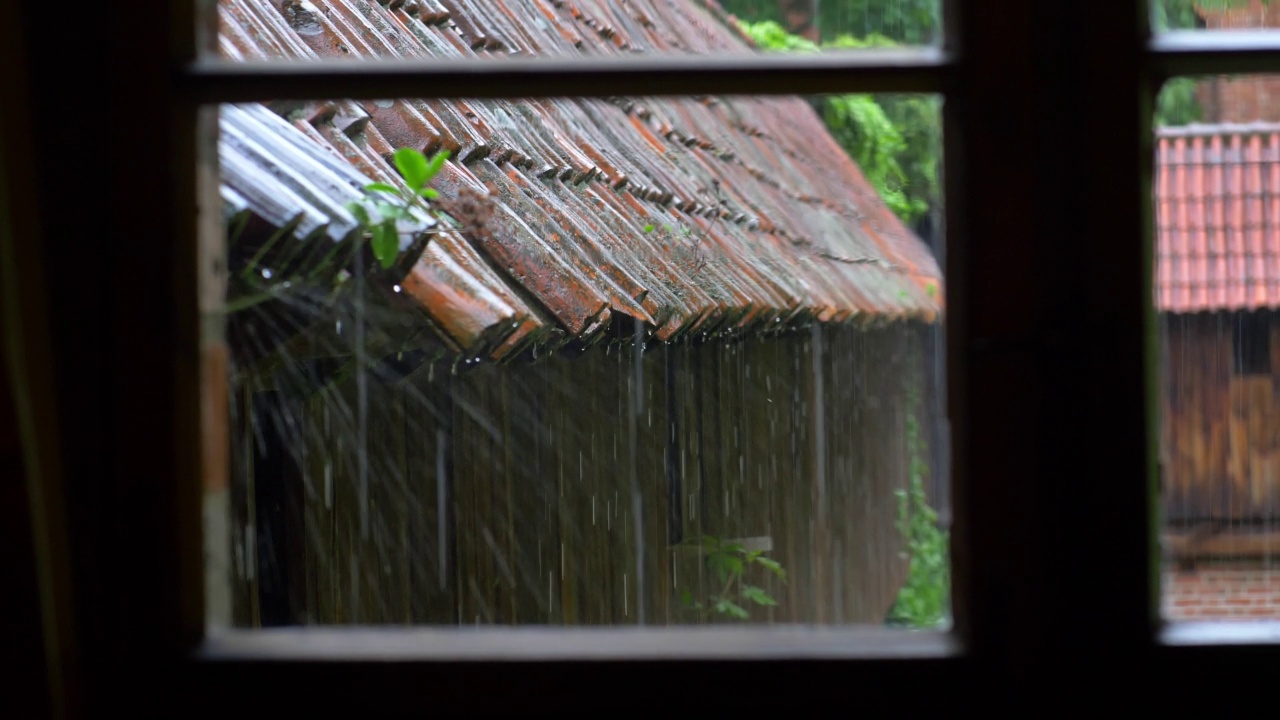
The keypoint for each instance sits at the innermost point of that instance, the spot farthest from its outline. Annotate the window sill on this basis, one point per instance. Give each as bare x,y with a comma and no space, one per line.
541,644
1199,634
387,671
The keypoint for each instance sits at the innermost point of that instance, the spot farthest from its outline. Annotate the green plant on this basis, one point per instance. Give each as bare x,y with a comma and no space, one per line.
1177,103
911,22
895,139
729,562
924,598
393,204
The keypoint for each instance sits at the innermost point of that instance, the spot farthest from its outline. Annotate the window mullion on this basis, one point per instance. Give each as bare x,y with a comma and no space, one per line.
1047,270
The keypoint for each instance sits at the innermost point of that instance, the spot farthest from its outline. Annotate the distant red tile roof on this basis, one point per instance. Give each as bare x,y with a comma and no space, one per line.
1218,217
771,222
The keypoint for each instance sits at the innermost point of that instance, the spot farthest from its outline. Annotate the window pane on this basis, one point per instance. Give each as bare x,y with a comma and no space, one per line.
1217,290
1214,15
622,361
448,29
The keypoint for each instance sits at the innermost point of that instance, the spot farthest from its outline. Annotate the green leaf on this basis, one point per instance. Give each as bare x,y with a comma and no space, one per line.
413,166
435,166
359,212
386,243
725,566
728,607
773,566
429,193
649,228
389,211
757,595
383,187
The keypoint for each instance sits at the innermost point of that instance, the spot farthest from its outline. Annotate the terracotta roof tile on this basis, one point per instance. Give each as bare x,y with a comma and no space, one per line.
691,214
1218,217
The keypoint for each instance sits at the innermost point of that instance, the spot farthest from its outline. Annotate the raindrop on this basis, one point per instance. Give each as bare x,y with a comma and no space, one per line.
396,288
266,273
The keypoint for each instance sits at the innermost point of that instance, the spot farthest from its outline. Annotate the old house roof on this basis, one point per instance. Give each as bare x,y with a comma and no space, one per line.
691,214
1218,217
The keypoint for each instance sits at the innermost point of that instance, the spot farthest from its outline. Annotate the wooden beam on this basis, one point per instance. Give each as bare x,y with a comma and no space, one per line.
1203,545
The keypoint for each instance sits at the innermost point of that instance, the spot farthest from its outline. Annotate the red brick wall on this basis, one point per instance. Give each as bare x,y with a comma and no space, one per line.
1244,99
1240,99
1237,592
1256,14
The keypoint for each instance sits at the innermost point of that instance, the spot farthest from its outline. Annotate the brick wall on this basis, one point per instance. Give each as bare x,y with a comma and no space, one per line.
1241,99
1256,14
1238,592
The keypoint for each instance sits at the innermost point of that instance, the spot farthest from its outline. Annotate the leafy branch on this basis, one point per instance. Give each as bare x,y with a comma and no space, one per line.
729,562
393,205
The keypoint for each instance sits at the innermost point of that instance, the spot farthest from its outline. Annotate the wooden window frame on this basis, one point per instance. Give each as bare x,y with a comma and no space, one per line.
1051,349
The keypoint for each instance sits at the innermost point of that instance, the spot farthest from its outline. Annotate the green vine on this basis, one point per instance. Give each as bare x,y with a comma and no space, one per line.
924,599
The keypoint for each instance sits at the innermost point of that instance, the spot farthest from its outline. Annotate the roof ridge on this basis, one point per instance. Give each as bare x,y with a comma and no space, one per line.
1226,128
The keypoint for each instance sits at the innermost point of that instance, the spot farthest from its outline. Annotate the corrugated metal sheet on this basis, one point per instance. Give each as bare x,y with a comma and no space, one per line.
1218,217
759,218
274,176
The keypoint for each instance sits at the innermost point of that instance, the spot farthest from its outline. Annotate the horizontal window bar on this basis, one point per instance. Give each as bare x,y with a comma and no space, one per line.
880,70
1216,52
574,644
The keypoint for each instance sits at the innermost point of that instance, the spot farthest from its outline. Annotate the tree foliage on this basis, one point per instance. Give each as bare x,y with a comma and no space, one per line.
895,139
1177,103
910,22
